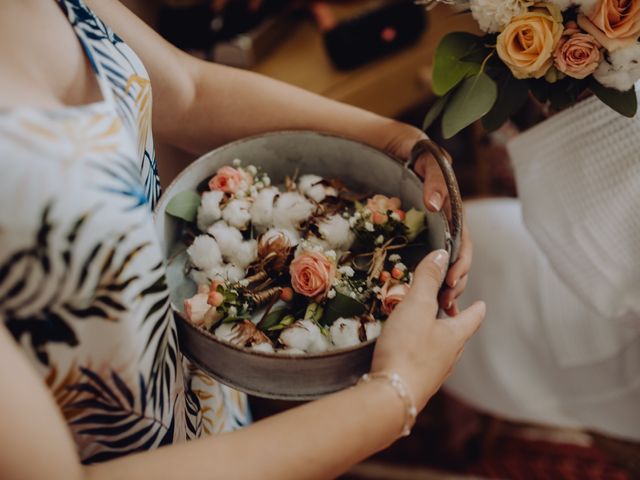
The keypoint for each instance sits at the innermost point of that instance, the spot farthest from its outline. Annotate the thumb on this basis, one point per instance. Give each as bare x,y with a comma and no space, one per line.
468,321
429,275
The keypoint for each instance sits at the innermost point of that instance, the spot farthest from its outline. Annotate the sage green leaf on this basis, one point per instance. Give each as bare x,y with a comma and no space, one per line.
414,223
625,103
184,205
341,306
272,318
454,60
435,111
472,100
512,95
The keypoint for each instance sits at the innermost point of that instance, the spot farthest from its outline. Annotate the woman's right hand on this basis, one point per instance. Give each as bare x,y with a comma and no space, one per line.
414,343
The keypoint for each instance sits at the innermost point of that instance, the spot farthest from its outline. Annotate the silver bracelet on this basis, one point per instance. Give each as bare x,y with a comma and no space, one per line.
396,381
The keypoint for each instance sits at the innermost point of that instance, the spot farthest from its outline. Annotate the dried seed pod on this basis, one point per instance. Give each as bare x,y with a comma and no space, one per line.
274,248
265,296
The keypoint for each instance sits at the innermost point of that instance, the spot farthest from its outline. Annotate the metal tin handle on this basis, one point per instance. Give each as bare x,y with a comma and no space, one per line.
429,146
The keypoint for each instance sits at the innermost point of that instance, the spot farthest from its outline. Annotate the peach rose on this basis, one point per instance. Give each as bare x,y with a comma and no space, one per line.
391,295
312,274
613,23
578,54
228,180
380,205
527,43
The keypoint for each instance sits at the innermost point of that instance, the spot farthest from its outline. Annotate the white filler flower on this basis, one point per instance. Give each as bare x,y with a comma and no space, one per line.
291,209
305,335
493,15
236,213
262,209
337,232
620,69
205,252
345,332
209,210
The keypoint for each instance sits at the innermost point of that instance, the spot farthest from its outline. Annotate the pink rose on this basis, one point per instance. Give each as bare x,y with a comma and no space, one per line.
228,180
578,54
391,295
312,274
613,23
380,205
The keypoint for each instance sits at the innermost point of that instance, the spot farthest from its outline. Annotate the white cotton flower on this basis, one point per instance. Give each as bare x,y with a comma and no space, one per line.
236,213
234,273
291,235
244,254
337,232
373,329
205,252
262,209
313,243
620,69
226,332
227,237
291,209
493,15
305,335
312,187
209,210
199,277
345,332
264,347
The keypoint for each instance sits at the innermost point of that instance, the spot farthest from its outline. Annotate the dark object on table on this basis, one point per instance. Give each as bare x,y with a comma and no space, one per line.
374,33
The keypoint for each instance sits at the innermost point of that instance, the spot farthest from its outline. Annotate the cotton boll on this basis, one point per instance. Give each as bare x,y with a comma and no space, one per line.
305,335
209,210
236,213
198,276
337,232
234,273
373,329
311,186
291,209
291,235
493,15
620,69
264,347
227,332
244,254
345,332
262,209
227,237
205,252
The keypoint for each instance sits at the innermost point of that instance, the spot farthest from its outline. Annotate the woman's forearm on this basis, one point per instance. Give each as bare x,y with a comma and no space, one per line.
318,440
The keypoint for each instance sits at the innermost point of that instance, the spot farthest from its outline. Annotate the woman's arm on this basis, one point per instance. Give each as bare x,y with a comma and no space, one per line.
318,440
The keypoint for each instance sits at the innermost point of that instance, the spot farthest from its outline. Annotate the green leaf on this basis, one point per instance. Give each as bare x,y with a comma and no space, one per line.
456,58
184,205
414,221
273,318
472,100
625,103
341,306
512,95
435,111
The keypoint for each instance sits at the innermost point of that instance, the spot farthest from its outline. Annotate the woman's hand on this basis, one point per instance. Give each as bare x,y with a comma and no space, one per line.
416,345
400,138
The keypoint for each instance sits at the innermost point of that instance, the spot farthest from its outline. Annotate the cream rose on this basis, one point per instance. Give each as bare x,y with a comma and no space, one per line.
614,23
392,294
578,54
312,274
527,44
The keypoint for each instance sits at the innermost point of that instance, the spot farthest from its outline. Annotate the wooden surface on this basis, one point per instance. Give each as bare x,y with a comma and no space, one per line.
388,86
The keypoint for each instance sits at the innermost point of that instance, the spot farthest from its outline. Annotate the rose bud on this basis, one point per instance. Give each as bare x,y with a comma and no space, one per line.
391,295
397,273
384,276
400,214
286,295
379,218
215,298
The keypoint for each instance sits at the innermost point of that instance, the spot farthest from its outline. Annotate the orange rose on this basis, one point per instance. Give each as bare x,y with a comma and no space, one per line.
391,295
527,43
312,274
613,23
228,180
578,54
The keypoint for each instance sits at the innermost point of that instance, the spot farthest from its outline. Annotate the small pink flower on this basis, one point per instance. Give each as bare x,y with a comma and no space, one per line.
383,204
391,295
229,180
312,274
578,54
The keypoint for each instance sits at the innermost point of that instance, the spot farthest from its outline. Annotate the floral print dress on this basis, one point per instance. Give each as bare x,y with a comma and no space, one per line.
82,279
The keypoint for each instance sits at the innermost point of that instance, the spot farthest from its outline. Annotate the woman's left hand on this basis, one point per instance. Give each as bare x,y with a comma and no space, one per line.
400,138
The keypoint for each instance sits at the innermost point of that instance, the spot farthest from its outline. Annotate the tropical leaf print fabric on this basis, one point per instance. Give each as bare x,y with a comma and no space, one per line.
82,280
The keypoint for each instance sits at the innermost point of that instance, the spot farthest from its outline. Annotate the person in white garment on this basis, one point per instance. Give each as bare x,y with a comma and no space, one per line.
560,271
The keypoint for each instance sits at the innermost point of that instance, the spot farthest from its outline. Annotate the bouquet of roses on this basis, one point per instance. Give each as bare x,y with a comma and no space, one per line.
559,51
303,267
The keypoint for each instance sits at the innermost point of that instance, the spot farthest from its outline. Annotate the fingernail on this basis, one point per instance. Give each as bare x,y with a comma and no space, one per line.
441,259
449,305
435,201
453,284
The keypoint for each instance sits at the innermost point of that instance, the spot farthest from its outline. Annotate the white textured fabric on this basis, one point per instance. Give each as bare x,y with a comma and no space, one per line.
578,176
513,366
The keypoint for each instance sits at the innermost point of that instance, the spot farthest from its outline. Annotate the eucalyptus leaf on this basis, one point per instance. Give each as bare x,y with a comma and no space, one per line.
414,222
454,60
512,95
435,111
273,318
341,306
625,103
184,205
472,100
